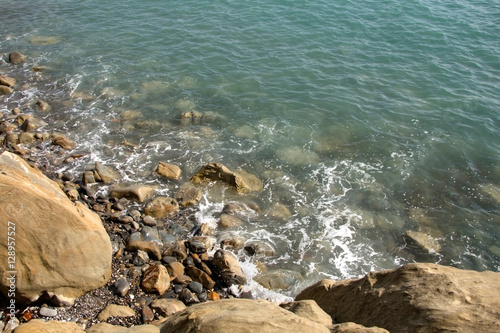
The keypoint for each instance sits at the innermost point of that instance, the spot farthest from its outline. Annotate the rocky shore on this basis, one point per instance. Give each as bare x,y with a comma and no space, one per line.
130,260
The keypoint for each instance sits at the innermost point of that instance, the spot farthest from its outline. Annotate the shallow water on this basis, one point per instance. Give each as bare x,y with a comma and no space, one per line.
363,120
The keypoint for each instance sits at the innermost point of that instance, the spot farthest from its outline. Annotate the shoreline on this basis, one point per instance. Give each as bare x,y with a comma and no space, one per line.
26,134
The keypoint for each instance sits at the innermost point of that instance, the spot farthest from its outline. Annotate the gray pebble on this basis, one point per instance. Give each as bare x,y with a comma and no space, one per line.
48,312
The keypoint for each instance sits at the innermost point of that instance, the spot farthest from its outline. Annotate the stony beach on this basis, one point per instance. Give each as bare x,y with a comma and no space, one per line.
87,259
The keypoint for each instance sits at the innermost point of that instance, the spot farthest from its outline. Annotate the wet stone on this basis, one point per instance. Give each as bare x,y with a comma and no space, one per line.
16,58
121,286
195,287
147,315
200,244
141,258
188,297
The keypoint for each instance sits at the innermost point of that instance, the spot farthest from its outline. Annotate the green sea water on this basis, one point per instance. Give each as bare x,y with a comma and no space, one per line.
365,120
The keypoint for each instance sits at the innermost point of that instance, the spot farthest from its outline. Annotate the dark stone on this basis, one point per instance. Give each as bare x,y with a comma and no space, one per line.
121,286
187,297
147,315
178,288
195,287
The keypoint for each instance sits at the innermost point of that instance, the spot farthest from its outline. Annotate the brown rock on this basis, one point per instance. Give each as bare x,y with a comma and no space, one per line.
166,307
7,81
156,279
62,141
414,298
175,269
239,315
108,328
6,127
228,268
200,244
188,195
177,250
168,170
51,232
355,328
106,174
4,90
44,106
113,310
26,138
243,182
31,124
140,193
16,58
423,240
52,326
200,276
310,309
161,207
152,248
229,221
147,315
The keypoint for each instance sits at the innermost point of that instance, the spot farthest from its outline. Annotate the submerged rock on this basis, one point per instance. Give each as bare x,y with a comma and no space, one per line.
168,170
188,194
16,58
242,181
7,81
161,207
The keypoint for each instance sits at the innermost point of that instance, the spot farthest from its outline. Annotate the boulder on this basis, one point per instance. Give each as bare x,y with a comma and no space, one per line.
168,170
356,328
242,181
161,207
62,141
108,328
7,81
4,90
16,57
52,326
239,315
414,298
188,194
228,268
140,193
309,309
62,248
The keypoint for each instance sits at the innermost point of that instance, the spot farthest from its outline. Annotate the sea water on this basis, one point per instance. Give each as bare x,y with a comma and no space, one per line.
365,120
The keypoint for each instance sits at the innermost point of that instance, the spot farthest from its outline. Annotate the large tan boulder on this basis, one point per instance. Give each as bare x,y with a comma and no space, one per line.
239,315
61,248
414,298
242,181
52,326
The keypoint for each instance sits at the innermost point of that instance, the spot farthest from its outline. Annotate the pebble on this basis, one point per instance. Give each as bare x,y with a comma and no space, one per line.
196,287
188,297
48,312
147,315
122,286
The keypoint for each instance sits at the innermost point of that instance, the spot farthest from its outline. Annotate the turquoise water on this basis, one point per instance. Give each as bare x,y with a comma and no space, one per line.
364,120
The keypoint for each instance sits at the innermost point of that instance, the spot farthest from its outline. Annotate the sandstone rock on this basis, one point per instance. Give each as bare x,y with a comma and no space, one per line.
228,268
177,250
7,81
6,127
63,141
43,106
161,207
4,90
16,58
52,326
242,181
51,232
229,221
200,276
166,306
355,328
259,249
239,315
175,269
310,309
156,279
424,241
414,298
32,124
114,310
26,138
188,194
140,193
45,40
152,248
106,173
108,328
200,244
168,170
